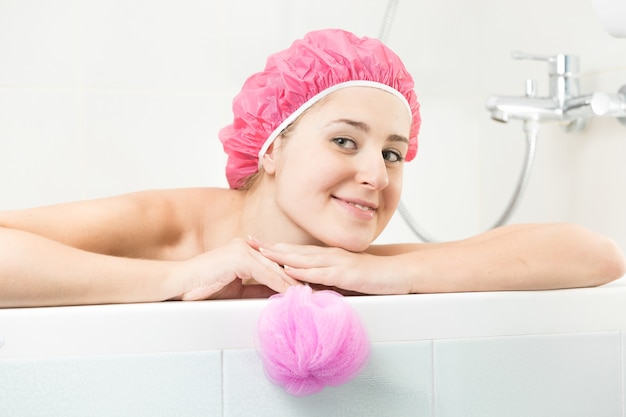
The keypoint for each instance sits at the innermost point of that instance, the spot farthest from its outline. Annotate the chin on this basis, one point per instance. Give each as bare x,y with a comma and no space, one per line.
351,245
348,238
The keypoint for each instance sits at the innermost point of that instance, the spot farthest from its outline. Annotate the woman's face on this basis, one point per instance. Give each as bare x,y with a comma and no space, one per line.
338,174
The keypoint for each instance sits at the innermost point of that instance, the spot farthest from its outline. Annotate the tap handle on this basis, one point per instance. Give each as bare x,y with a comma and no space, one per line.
603,104
533,57
559,64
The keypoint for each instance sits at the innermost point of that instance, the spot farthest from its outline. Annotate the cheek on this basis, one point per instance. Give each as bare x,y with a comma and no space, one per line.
394,189
295,172
312,170
391,197
295,185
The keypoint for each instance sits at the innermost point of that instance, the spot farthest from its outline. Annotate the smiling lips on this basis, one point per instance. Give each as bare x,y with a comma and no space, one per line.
359,206
359,209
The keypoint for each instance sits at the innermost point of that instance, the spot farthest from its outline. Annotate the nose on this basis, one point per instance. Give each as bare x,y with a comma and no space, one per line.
372,171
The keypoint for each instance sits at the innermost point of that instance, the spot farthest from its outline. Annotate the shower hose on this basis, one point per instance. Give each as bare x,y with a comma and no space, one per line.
531,127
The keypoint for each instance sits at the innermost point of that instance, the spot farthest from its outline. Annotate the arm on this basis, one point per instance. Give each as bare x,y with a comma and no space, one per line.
137,225
36,271
80,252
132,248
520,257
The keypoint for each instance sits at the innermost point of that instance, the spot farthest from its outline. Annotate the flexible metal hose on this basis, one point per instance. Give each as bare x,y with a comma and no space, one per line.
531,128
390,13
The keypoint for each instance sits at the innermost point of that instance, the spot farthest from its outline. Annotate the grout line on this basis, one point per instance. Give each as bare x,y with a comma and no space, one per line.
621,373
432,377
222,379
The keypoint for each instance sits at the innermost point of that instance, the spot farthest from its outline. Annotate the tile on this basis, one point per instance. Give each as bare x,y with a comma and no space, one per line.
41,151
435,208
623,367
128,44
553,375
152,140
181,384
396,382
246,51
39,43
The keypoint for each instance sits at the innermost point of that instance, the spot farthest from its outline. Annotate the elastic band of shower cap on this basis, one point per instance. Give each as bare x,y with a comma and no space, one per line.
309,103
294,79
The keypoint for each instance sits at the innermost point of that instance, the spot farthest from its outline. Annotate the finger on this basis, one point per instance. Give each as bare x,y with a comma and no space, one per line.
322,276
268,265
272,256
294,248
295,259
270,274
283,247
295,255
254,242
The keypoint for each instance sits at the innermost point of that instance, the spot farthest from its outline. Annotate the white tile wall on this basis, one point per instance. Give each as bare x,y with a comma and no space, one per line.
185,385
557,375
397,381
131,152
560,375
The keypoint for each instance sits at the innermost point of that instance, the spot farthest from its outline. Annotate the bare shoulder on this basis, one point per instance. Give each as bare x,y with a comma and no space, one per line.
194,197
151,223
177,219
190,205
191,220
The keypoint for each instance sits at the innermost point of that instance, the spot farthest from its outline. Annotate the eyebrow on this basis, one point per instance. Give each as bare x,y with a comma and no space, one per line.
364,127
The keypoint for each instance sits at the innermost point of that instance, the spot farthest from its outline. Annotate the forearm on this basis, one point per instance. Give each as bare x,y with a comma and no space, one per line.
518,258
35,271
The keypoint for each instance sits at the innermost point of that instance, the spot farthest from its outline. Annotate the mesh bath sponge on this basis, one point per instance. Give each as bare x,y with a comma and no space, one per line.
309,340
294,79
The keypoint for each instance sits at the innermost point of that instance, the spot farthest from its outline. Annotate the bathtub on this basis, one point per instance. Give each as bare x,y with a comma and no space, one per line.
540,353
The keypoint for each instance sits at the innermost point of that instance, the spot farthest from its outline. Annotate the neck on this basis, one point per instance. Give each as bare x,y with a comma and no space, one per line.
262,218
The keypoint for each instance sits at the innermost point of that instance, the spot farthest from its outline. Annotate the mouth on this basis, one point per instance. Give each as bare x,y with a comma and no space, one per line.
360,208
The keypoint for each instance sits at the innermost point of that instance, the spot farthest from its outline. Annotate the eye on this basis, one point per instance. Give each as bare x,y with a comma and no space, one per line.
392,156
345,143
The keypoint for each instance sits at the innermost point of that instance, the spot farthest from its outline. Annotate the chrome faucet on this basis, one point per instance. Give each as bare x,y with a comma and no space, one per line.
564,103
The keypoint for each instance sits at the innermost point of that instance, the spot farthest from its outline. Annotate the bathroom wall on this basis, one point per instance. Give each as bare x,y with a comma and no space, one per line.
106,97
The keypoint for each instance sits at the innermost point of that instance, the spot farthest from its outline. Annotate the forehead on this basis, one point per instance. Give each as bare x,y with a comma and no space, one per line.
362,102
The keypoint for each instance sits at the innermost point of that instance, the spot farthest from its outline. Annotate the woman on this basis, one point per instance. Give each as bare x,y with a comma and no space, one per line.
316,153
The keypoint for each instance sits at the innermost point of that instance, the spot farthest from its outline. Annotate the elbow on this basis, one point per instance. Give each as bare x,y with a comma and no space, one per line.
595,259
611,264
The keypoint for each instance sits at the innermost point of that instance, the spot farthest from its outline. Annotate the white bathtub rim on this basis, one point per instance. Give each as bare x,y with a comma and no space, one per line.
229,324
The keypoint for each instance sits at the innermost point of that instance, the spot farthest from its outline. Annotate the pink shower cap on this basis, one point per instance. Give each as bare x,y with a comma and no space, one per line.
296,78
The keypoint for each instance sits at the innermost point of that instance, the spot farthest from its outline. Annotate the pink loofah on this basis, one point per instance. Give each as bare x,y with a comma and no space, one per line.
311,339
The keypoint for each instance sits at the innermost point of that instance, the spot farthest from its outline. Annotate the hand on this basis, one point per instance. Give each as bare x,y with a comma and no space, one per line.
336,267
236,270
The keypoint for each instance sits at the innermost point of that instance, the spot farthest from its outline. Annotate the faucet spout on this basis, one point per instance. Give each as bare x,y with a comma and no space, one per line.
574,109
563,104
505,108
